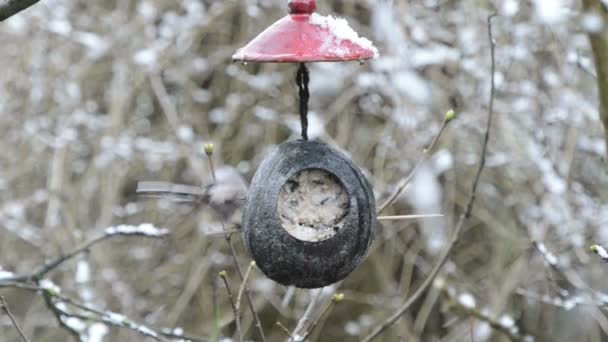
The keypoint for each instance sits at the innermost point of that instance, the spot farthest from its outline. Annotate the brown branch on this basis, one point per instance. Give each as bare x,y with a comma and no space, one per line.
5,308
336,298
599,46
235,310
9,8
467,213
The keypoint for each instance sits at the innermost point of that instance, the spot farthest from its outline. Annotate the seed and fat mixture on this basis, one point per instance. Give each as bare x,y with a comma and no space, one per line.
312,205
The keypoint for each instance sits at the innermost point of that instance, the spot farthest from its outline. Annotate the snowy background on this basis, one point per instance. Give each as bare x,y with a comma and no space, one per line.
98,94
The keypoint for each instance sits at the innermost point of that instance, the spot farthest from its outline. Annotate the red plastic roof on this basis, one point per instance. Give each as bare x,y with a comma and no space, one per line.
304,36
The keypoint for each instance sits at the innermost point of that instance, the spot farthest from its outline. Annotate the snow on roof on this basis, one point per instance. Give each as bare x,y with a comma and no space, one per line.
340,28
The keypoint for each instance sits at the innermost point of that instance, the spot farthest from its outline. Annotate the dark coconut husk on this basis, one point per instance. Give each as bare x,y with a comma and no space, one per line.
302,259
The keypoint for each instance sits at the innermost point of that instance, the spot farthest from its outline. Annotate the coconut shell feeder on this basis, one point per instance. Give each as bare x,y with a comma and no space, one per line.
310,212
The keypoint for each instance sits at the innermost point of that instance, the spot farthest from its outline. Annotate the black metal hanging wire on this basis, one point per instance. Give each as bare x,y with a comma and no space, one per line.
302,79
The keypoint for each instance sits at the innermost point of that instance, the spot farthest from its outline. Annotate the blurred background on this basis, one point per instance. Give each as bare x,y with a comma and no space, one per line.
96,95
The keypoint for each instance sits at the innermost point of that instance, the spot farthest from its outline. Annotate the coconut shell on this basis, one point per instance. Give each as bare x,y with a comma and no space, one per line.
287,259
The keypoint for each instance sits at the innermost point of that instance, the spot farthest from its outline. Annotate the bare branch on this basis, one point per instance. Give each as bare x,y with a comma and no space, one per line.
336,298
52,298
209,149
407,217
599,46
404,182
236,311
295,336
9,8
6,309
505,325
284,329
143,230
467,213
244,284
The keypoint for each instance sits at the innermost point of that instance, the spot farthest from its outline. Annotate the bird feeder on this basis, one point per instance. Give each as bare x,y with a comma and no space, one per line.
310,212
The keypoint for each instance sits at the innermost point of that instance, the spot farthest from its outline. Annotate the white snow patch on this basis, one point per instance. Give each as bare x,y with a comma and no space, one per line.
146,57
48,285
340,28
185,133
74,323
550,258
467,300
506,321
97,331
83,272
352,328
5,274
550,12
115,318
442,161
425,195
599,250
510,8
146,331
592,22
145,229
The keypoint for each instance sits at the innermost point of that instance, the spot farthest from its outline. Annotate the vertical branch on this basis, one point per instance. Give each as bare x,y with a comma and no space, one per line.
209,149
5,308
235,309
465,215
599,46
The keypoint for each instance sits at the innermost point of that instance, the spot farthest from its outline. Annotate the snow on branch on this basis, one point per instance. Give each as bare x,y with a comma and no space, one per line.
465,303
145,229
549,257
75,316
601,251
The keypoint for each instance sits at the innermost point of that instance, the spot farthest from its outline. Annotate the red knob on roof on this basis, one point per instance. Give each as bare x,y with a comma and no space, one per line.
301,6
305,36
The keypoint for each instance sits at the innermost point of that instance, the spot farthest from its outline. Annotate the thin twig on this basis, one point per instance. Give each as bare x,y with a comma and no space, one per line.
6,309
284,329
407,217
9,8
306,317
467,213
164,100
404,182
336,298
52,298
235,309
53,264
209,149
505,327
48,300
31,282
244,284
472,328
